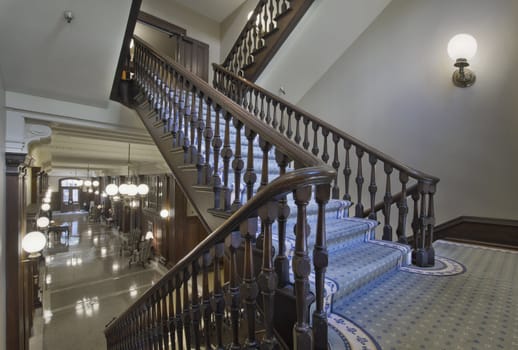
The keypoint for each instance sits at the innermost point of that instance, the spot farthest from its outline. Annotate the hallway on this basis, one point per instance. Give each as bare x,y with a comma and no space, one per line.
87,283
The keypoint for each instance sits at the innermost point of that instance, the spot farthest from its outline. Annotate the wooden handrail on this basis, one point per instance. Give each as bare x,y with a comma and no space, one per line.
274,190
382,156
287,147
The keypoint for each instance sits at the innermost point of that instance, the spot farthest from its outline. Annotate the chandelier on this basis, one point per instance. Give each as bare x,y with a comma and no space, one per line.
127,189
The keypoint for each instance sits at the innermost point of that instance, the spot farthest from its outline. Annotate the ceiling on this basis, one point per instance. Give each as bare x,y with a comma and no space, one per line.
43,55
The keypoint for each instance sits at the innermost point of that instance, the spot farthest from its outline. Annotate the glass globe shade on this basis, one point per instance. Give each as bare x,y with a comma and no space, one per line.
123,189
103,194
88,183
90,190
462,46
149,235
96,192
79,183
95,183
132,190
45,206
111,189
33,242
43,221
143,189
164,213
46,200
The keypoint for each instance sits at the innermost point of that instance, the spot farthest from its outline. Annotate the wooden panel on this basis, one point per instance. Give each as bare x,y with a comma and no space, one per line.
486,231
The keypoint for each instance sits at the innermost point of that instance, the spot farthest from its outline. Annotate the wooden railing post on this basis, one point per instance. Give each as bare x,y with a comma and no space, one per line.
281,262
268,278
302,335
249,288
233,296
320,260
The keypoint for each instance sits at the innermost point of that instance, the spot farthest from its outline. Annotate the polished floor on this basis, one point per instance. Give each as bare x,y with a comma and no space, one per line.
87,284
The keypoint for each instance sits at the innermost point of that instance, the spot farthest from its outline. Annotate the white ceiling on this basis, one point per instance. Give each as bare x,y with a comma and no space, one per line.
217,10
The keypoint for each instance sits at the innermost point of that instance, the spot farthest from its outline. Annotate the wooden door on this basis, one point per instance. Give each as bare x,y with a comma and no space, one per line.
69,199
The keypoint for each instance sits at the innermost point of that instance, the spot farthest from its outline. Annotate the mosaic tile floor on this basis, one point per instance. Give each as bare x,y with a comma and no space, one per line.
474,309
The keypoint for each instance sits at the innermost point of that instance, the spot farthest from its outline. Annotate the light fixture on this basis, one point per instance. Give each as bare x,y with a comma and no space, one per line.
149,235
111,189
68,15
143,189
95,183
132,190
90,190
96,192
33,243
88,183
43,221
45,207
164,213
461,48
79,183
46,200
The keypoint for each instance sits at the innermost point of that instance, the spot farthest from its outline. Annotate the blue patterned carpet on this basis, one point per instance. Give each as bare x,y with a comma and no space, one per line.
476,308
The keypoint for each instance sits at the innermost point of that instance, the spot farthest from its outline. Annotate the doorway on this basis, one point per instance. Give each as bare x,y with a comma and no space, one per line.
69,195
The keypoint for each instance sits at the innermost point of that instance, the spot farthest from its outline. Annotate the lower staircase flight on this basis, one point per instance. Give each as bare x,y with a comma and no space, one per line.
267,202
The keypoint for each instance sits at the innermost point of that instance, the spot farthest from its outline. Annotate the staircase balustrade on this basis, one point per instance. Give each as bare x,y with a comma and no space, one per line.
269,25
332,145
181,107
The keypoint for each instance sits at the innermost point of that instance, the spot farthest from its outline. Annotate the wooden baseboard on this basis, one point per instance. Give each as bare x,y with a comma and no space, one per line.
501,233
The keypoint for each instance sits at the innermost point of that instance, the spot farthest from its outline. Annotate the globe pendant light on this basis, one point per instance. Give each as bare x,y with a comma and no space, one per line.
34,242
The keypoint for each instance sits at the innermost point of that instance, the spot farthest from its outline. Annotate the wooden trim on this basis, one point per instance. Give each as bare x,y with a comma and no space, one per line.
130,27
494,232
160,24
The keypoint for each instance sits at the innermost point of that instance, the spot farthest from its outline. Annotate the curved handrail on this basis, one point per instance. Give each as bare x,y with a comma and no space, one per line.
379,154
274,190
287,147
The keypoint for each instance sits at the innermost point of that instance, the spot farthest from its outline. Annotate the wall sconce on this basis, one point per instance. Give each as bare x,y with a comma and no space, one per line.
68,15
45,207
461,48
33,243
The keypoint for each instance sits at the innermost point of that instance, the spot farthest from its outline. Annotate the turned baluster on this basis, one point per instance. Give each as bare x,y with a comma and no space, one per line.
164,291
206,306
430,226
186,315
171,329
373,188
149,324
387,200
421,258
268,278
359,183
282,126
320,261
268,118
169,100
271,8
158,333
179,311
175,95
189,106
256,103
218,302
265,147
216,145
244,92
315,128
237,165
281,262
233,297
336,165
415,219
303,338
226,154
250,177
200,163
250,104
402,209
347,170
249,288
297,137
194,124
275,122
184,106
261,113
195,304
250,45
209,134
289,131
305,143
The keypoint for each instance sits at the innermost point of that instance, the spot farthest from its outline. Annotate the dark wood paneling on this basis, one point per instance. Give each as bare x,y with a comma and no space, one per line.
160,24
487,231
124,53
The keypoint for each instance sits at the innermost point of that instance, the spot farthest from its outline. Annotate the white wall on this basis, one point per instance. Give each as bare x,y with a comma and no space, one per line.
198,27
392,88
2,216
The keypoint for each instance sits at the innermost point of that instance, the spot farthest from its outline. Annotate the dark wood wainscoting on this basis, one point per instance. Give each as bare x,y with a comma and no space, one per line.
486,231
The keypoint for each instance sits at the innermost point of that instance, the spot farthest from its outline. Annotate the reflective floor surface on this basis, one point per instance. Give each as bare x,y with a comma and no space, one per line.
86,284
